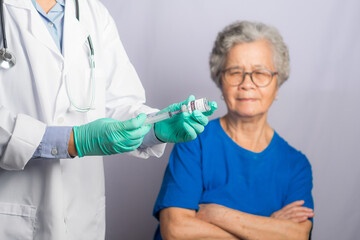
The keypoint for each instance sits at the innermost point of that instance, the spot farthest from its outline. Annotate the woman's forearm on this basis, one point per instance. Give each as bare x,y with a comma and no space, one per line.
248,226
177,223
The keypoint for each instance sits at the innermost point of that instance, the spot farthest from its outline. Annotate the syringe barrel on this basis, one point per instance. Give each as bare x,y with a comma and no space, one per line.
153,118
201,104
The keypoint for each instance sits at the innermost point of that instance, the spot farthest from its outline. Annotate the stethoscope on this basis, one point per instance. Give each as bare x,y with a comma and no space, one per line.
8,60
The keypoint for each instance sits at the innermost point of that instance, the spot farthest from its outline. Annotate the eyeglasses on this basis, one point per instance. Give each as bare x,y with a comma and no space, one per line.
235,76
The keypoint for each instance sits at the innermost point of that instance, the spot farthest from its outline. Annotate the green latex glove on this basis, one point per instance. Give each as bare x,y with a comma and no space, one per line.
182,127
108,136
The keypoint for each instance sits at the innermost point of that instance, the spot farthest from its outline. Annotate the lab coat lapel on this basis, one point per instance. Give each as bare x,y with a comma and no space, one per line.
74,38
36,25
75,34
19,3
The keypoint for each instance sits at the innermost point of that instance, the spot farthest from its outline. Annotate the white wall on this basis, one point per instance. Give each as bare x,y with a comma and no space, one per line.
169,42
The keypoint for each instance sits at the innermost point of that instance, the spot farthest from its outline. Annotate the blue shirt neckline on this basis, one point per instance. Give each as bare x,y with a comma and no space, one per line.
248,153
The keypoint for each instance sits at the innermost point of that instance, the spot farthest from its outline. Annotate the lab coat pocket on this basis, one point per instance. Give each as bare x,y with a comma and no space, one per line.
17,221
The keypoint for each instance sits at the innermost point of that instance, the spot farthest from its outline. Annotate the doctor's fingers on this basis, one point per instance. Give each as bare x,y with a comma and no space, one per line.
127,146
116,147
189,133
200,117
213,106
197,126
135,134
133,123
189,99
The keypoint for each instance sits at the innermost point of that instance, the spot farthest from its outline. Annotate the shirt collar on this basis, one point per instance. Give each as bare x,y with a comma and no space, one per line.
59,7
61,2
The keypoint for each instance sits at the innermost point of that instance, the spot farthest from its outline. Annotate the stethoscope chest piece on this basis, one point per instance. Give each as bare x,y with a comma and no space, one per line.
7,59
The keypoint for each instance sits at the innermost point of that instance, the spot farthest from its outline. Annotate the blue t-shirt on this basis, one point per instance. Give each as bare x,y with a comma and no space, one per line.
214,169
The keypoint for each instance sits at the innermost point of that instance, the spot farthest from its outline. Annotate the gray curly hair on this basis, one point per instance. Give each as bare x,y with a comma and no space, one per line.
246,32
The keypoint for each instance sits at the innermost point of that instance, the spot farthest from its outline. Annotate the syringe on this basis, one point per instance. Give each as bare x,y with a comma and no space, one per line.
201,104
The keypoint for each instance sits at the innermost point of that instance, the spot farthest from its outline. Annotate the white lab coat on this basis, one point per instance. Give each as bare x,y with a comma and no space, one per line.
59,198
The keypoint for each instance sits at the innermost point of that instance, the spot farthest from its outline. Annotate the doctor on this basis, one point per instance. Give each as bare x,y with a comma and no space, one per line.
64,65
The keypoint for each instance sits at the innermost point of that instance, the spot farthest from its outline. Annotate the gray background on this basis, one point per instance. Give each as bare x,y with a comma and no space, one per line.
169,42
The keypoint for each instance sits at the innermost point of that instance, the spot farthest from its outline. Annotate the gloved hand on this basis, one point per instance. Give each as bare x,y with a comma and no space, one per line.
182,127
108,136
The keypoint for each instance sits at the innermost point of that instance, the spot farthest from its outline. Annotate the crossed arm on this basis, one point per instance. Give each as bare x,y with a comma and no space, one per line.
180,223
214,221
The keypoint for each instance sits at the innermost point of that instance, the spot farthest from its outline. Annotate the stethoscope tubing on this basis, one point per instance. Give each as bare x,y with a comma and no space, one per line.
3,23
92,61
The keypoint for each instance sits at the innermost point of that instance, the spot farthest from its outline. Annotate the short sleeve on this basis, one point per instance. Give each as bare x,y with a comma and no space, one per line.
301,183
182,184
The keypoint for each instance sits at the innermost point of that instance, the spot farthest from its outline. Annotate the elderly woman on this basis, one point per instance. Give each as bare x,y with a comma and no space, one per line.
239,179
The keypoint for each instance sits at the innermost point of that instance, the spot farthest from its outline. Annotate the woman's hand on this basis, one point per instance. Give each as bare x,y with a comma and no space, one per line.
294,212
248,226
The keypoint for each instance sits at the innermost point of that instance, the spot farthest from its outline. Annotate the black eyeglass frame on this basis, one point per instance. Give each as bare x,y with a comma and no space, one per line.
223,72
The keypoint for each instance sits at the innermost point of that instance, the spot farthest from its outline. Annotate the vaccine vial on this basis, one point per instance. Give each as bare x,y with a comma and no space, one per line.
201,104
